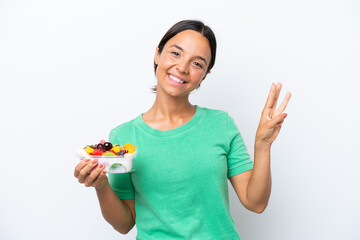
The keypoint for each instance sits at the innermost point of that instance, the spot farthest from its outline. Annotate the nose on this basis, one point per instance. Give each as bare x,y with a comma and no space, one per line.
183,67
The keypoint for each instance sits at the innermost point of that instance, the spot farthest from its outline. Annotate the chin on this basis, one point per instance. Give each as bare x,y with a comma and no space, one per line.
175,92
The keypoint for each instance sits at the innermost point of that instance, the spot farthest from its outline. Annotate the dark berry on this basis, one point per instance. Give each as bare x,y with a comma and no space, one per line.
107,146
100,146
120,154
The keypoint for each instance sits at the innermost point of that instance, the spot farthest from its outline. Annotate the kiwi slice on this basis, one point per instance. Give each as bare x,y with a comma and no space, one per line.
117,168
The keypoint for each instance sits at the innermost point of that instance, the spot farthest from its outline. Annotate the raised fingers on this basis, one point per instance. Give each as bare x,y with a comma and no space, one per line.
284,103
270,100
276,97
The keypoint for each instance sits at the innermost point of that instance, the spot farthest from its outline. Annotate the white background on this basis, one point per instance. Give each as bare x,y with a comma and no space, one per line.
71,71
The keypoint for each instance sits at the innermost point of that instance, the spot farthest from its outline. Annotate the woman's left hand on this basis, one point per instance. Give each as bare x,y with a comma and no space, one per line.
271,118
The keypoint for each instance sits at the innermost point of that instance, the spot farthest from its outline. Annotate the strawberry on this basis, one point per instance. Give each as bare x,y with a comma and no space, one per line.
97,152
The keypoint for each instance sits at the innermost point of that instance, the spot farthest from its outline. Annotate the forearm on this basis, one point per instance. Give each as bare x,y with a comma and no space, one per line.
259,187
114,210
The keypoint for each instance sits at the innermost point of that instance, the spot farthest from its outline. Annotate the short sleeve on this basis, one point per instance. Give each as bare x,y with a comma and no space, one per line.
121,183
238,158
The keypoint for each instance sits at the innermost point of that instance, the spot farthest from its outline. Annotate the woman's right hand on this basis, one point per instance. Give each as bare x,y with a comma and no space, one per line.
96,178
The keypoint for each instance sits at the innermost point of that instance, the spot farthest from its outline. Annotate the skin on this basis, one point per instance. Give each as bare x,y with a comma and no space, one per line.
172,108
186,56
253,187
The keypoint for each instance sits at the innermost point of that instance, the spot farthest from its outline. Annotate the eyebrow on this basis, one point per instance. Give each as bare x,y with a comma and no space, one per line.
180,48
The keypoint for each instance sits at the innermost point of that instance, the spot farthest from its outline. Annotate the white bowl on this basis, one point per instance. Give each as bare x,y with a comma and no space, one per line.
112,164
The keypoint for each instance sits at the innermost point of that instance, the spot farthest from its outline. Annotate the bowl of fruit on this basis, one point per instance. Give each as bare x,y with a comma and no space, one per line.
116,158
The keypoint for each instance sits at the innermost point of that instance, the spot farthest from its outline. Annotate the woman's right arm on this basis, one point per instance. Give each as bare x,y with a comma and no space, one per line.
119,213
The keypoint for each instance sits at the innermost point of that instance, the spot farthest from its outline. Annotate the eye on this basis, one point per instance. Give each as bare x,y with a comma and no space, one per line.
175,53
198,65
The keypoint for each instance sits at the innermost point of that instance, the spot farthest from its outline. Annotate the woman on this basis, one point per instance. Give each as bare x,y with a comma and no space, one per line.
177,188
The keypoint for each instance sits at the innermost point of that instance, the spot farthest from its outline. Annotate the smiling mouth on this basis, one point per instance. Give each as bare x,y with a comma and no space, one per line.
176,79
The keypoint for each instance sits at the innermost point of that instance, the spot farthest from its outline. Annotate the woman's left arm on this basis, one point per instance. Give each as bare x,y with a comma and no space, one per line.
253,187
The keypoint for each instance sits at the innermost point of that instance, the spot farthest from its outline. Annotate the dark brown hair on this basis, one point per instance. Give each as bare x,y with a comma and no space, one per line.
197,26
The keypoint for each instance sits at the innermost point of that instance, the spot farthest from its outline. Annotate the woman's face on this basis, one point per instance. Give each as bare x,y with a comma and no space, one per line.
183,63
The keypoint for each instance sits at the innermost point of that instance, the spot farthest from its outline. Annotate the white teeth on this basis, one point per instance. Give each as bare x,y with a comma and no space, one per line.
176,79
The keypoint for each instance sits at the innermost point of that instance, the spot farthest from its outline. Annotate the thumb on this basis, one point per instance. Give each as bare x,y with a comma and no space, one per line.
279,119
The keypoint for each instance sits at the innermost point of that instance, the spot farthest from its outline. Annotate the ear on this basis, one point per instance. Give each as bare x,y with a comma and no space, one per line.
157,56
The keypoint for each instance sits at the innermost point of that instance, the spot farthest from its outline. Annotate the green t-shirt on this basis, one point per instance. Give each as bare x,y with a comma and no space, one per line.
179,177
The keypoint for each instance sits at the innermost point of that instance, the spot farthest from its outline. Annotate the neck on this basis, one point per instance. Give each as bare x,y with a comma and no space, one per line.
169,107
